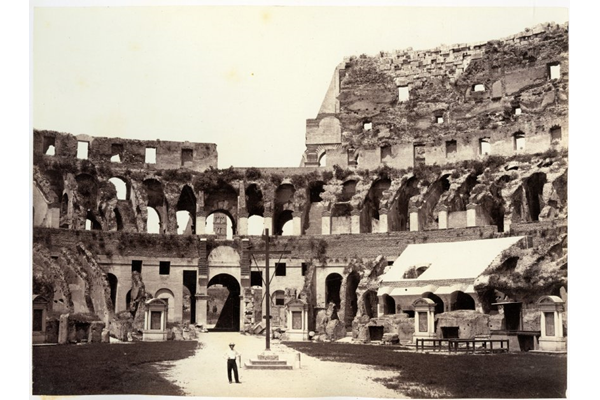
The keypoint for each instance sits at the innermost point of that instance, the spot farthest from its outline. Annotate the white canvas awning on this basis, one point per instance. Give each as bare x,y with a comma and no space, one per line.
412,291
450,260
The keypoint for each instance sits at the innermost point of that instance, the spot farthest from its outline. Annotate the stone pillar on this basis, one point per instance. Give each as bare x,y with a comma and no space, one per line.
63,329
383,220
326,223
243,224
297,224
471,215
201,307
379,307
413,219
443,217
507,223
200,224
268,221
355,221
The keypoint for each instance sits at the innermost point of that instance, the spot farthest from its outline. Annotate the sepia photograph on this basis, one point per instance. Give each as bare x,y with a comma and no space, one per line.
299,200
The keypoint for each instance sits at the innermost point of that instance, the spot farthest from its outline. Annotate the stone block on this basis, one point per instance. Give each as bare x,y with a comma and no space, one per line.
335,330
95,332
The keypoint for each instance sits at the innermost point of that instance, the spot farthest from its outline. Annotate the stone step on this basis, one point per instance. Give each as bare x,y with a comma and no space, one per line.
268,362
262,366
267,357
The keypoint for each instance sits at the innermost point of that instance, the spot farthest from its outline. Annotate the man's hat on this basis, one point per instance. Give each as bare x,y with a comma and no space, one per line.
232,344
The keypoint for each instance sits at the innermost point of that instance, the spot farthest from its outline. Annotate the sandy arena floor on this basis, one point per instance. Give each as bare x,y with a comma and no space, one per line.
205,374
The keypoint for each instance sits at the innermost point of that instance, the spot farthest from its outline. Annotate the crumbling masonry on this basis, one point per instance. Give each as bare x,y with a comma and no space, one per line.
457,143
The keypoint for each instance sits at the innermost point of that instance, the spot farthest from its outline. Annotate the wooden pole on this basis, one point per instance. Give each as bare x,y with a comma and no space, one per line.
267,279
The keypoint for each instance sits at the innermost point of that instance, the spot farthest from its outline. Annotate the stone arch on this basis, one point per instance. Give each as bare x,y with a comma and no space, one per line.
427,218
284,206
91,223
389,304
370,210
398,217
121,187
439,303
313,210
461,301
87,191
322,159
223,256
186,212
284,223
229,317
221,223
156,200
254,201
168,296
223,199
333,284
348,190
534,188
256,225
352,281
370,302
118,219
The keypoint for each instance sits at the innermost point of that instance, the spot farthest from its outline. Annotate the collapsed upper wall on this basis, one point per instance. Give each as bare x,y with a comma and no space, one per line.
147,154
459,102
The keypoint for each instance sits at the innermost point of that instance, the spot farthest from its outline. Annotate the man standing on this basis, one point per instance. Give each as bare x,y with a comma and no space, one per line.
231,355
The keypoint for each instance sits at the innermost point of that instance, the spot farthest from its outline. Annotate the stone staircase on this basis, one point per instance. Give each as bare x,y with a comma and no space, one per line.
267,361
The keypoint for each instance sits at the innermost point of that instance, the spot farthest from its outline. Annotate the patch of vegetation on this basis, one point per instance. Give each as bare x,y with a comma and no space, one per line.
214,179
102,368
341,173
319,249
512,375
253,174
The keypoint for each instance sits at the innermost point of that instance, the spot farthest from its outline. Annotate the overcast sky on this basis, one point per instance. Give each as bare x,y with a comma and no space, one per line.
245,78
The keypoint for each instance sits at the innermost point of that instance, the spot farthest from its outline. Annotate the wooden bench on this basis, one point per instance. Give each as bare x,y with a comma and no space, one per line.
485,345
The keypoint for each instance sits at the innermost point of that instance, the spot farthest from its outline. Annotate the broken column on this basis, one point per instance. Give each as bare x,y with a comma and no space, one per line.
442,217
383,220
471,215
243,224
355,221
326,222
63,329
413,218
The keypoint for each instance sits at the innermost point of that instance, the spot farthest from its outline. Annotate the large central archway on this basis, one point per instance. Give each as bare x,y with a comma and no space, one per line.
224,309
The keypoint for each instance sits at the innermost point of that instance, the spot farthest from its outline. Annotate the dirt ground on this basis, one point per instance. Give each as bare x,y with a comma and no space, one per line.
205,374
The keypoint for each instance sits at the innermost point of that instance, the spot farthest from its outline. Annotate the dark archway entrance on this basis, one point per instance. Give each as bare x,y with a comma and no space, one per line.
229,317
333,283
439,303
461,301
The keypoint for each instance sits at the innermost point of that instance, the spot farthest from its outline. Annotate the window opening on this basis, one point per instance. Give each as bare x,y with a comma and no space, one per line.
164,268
150,155
82,150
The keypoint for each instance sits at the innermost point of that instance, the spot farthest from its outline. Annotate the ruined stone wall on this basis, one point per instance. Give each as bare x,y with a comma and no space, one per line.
436,106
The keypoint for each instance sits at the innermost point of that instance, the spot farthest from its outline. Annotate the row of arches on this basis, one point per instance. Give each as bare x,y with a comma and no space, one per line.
150,210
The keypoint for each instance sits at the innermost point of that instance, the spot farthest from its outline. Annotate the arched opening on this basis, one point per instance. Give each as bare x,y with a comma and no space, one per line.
323,159
229,315
461,301
439,303
220,223
153,224
186,212
284,207
254,201
348,190
112,285
91,223
369,216
351,298
256,225
87,190
168,296
127,300
118,219
64,211
370,303
333,283
120,187
389,305
398,218
284,225
157,202
519,141
534,188
314,209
